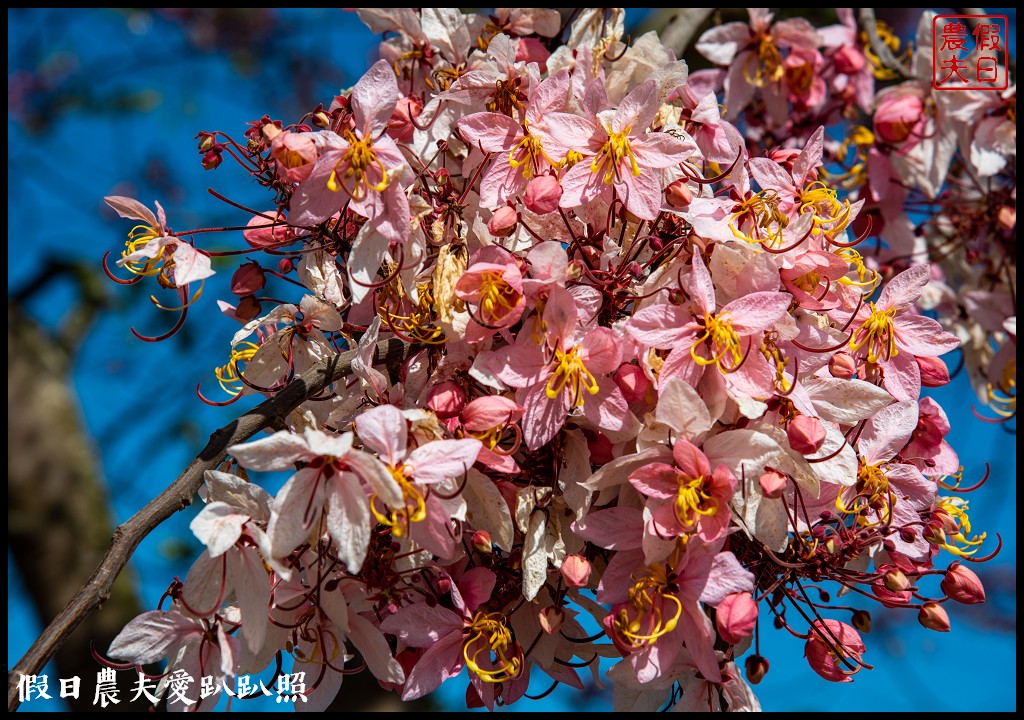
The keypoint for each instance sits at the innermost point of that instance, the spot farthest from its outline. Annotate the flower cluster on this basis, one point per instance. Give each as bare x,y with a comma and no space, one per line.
655,384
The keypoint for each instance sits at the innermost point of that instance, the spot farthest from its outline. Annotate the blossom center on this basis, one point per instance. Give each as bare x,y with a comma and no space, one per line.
354,166
878,334
655,607
570,373
693,501
722,341
615,150
769,63
413,509
497,297
489,636
766,221
527,153
228,375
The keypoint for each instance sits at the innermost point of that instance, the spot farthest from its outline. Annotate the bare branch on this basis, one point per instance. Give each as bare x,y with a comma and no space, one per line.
680,25
178,496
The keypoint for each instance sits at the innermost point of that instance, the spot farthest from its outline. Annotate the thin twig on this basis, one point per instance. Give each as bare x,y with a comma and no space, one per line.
178,496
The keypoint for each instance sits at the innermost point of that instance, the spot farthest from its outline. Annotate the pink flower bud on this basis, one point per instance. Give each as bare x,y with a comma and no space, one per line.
294,154
322,119
482,542
736,617
503,222
533,50
550,619
757,668
206,141
896,581
261,232
842,366
806,434
772,484
248,309
212,159
285,266
576,570
446,399
542,195
826,636
898,117
1007,217
933,616
962,585
401,127
632,382
678,194
934,372
849,60
248,279
491,411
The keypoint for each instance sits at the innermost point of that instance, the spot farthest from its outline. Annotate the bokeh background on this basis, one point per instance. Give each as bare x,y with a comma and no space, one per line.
107,102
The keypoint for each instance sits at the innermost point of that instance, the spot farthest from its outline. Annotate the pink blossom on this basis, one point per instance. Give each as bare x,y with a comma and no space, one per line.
834,650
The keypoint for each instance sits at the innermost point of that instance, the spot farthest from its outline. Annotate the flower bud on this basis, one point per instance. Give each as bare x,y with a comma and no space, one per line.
757,668
1007,217
632,382
678,194
842,366
533,50
503,222
934,617
285,266
962,585
934,534
934,372
261,233
481,541
446,399
542,195
550,619
896,581
490,411
736,617
806,434
248,279
248,309
576,570
862,620
897,117
206,141
401,127
321,119
772,484
212,159
849,60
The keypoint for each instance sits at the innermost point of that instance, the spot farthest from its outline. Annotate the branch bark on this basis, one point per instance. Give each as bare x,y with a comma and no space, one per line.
178,496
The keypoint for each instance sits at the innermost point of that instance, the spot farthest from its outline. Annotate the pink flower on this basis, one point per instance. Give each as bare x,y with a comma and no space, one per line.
899,117
294,155
622,154
736,617
834,650
493,283
359,166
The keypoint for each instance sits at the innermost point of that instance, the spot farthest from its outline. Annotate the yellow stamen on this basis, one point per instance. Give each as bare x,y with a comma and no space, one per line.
571,373
496,294
762,211
722,340
414,508
138,238
871,491
489,635
878,333
866,278
958,544
769,67
653,599
229,375
693,500
616,149
528,153
358,158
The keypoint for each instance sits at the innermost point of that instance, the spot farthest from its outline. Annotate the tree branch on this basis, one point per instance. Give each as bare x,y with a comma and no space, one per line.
176,497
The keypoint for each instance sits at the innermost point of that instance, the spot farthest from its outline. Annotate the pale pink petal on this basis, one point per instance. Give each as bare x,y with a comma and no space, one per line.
296,508
637,109
702,288
903,290
642,194
442,661
348,520
314,202
476,586
887,432
543,416
602,351
757,312
720,44
661,325
370,643
442,460
657,480
726,576
491,132
132,209
420,625
218,526
695,627
149,637
902,376
383,429
923,336
617,528
374,97
251,585
277,452
690,459
190,265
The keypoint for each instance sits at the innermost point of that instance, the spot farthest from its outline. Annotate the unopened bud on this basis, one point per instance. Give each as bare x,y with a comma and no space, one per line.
678,194
772,484
446,399
757,668
248,279
962,585
550,619
542,194
806,434
576,570
444,584
862,620
321,119
212,159
934,372
1007,217
503,222
849,60
736,617
206,141
285,266
633,383
482,542
946,521
934,535
248,309
842,366
896,581
933,616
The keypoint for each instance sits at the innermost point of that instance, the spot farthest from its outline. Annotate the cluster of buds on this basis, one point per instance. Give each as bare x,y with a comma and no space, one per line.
655,384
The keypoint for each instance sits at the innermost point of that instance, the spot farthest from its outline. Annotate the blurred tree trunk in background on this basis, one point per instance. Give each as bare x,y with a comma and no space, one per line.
58,519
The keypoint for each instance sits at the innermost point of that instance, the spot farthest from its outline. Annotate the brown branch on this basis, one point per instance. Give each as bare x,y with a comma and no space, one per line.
178,496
